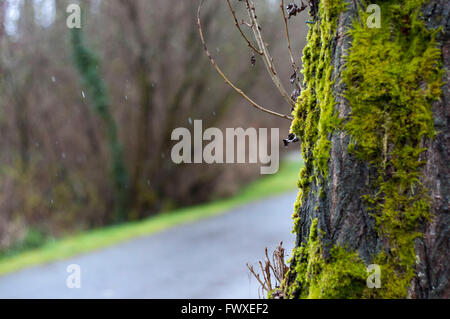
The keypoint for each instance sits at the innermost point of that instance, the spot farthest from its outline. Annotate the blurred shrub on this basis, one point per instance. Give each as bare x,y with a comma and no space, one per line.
45,201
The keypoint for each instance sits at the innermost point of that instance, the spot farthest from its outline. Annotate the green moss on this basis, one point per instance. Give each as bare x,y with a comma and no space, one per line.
342,275
392,76
314,112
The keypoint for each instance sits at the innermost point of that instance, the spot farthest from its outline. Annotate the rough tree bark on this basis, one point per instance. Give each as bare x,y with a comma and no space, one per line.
373,121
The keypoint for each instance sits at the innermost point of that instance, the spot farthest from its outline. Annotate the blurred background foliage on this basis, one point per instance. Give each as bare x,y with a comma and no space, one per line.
86,116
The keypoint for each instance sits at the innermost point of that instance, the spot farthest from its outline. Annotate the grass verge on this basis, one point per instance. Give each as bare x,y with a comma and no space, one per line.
285,180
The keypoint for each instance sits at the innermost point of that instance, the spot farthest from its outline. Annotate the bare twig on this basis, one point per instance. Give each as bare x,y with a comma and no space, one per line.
240,30
272,267
268,60
256,275
294,65
278,260
253,103
275,266
246,23
266,275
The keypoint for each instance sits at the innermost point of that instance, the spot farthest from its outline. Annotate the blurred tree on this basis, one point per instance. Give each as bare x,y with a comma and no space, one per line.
88,66
27,21
2,19
146,103
21,82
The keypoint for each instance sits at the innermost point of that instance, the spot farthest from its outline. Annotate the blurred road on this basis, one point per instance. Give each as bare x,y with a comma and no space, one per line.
205,259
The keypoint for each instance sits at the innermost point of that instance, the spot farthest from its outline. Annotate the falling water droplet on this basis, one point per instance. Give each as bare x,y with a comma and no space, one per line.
83,94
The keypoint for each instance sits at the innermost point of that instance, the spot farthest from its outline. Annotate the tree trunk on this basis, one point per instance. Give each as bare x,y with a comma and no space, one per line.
373,121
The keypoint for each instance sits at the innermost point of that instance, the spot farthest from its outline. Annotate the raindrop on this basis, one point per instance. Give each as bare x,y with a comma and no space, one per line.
53,79
63,155
126,97
190,121
83,94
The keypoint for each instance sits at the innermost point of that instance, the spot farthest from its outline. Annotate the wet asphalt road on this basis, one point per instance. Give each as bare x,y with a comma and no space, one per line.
205,259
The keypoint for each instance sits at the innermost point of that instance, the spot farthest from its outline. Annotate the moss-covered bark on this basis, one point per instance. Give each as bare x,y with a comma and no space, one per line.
373,106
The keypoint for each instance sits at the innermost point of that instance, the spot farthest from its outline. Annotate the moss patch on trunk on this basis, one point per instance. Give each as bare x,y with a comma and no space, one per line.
393,75
314,116
343,275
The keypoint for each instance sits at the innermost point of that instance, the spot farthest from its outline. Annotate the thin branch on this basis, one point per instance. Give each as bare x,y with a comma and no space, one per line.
246,23
288,38
254,104
294,66
272,267
266,279
240,30
268,60
268,267
252,270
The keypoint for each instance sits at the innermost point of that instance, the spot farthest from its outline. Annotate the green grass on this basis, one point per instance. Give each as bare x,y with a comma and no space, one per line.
285,180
